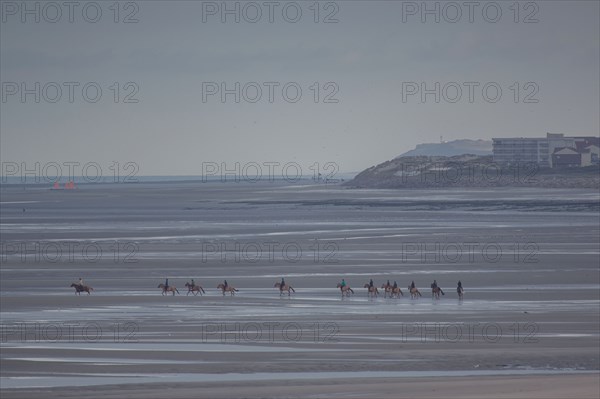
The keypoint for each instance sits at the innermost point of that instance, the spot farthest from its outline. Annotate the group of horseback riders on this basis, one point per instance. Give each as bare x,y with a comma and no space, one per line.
225,284
282,285
192,284
434,285
395,285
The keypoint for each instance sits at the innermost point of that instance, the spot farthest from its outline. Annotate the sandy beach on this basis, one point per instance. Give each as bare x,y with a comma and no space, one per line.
526,328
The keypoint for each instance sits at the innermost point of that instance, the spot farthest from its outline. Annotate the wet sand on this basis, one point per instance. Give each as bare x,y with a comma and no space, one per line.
539,387
527,326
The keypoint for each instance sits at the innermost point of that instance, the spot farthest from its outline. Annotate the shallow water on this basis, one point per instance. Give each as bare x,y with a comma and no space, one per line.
531,305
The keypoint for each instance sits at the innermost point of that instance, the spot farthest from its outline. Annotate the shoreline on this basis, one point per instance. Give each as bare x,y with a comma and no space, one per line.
504,387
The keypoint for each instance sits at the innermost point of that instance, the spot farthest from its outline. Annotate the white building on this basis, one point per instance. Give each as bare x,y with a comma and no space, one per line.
541,151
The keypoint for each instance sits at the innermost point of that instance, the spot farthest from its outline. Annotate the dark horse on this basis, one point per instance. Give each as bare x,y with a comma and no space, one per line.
286,287
79,288
435,291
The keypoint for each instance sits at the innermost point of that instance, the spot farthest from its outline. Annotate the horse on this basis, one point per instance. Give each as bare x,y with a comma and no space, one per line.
346,290
286,287
79,288
396,292
194,289
414,292
435,292
227,289
387,288
166,290
372,291
460,292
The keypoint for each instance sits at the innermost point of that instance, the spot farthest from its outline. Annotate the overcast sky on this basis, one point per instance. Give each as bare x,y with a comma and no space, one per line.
369,65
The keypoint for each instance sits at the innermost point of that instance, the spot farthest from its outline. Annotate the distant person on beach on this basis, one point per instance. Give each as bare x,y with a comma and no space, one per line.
459,286
434,284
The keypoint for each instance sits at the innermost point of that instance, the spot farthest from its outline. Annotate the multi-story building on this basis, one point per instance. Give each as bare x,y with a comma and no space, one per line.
522,150
552,150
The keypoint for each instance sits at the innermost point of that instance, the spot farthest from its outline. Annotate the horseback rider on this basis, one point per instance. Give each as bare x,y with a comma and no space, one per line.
282,284
166,284
371,283
412,285
434,284
395,284
80,282
193,285
459,288
225,284
343,284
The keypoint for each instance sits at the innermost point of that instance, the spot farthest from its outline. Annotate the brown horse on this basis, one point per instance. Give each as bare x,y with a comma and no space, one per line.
81,288
194,289
386,289
414,292
166,290
372,291
286,287
346,290
435,292
460,292
227,289
396,292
